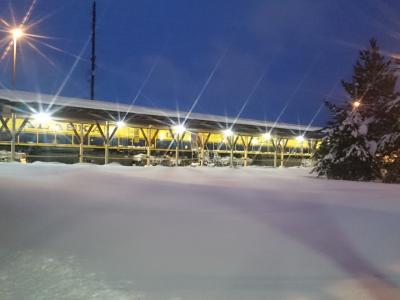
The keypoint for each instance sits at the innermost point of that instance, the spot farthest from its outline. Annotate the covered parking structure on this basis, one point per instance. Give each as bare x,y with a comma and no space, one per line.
55,128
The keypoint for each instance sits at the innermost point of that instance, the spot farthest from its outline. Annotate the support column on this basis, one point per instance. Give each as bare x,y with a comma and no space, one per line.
148,148
177,139
106,143
203,138
246,144
283,143
302,153
13,135
81,140
275,145
202,149
231,154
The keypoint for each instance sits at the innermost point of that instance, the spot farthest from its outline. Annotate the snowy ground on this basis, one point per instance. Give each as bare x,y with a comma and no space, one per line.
95,232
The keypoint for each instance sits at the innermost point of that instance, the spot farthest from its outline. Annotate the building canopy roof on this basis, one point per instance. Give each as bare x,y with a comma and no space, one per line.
83,109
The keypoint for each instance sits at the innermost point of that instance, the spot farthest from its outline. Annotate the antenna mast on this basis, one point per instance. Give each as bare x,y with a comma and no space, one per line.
93,57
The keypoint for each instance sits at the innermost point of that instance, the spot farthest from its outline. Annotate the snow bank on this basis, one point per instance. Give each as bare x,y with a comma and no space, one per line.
113,232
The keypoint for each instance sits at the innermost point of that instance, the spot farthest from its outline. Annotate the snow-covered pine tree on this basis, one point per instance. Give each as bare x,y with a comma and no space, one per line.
352,148
389,144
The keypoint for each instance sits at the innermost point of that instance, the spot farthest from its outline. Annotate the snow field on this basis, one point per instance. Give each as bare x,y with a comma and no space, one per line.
113,232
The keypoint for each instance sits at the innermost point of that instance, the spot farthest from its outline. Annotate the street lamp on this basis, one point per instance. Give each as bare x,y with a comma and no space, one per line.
16,33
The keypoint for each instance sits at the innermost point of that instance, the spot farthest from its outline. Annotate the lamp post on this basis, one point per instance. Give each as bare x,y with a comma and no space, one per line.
16,34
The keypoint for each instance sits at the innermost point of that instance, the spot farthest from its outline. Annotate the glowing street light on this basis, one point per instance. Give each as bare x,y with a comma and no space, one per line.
16,34
42,118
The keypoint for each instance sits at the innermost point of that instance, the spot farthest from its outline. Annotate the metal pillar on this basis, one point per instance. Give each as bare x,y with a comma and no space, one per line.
14,78
231,154
302,152
283,143
275,145
177,139
202,150
149,141
203,138
246,150
13,131
81,144
106,143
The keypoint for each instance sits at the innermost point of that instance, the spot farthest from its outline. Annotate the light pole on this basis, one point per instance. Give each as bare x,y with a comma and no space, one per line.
16,34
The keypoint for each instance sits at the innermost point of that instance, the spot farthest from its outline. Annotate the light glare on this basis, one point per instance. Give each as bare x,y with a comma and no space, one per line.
300,139
121,124
179,129
42,118
267,136
17,33
356,104
228,132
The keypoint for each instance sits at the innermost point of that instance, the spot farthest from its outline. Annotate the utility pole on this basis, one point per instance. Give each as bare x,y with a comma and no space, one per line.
93,57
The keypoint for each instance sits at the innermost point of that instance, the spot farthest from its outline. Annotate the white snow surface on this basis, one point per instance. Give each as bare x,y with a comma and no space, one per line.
112,232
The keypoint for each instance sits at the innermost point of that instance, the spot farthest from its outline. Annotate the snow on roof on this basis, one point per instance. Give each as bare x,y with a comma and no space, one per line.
29,97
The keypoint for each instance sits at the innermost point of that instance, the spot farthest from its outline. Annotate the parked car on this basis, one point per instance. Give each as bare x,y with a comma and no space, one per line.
5,156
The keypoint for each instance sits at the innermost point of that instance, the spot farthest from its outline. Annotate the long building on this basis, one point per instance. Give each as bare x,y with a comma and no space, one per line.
54,128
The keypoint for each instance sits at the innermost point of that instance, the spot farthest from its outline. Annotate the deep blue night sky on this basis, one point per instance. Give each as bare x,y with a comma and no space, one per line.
301,48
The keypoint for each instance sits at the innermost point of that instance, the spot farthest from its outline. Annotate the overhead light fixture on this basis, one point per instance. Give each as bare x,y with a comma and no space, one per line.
42,118
300,138
179,129
228,132
121,124
267,136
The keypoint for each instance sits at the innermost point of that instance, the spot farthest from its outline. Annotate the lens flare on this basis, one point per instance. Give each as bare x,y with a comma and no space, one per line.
179,129
228,132
42,118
